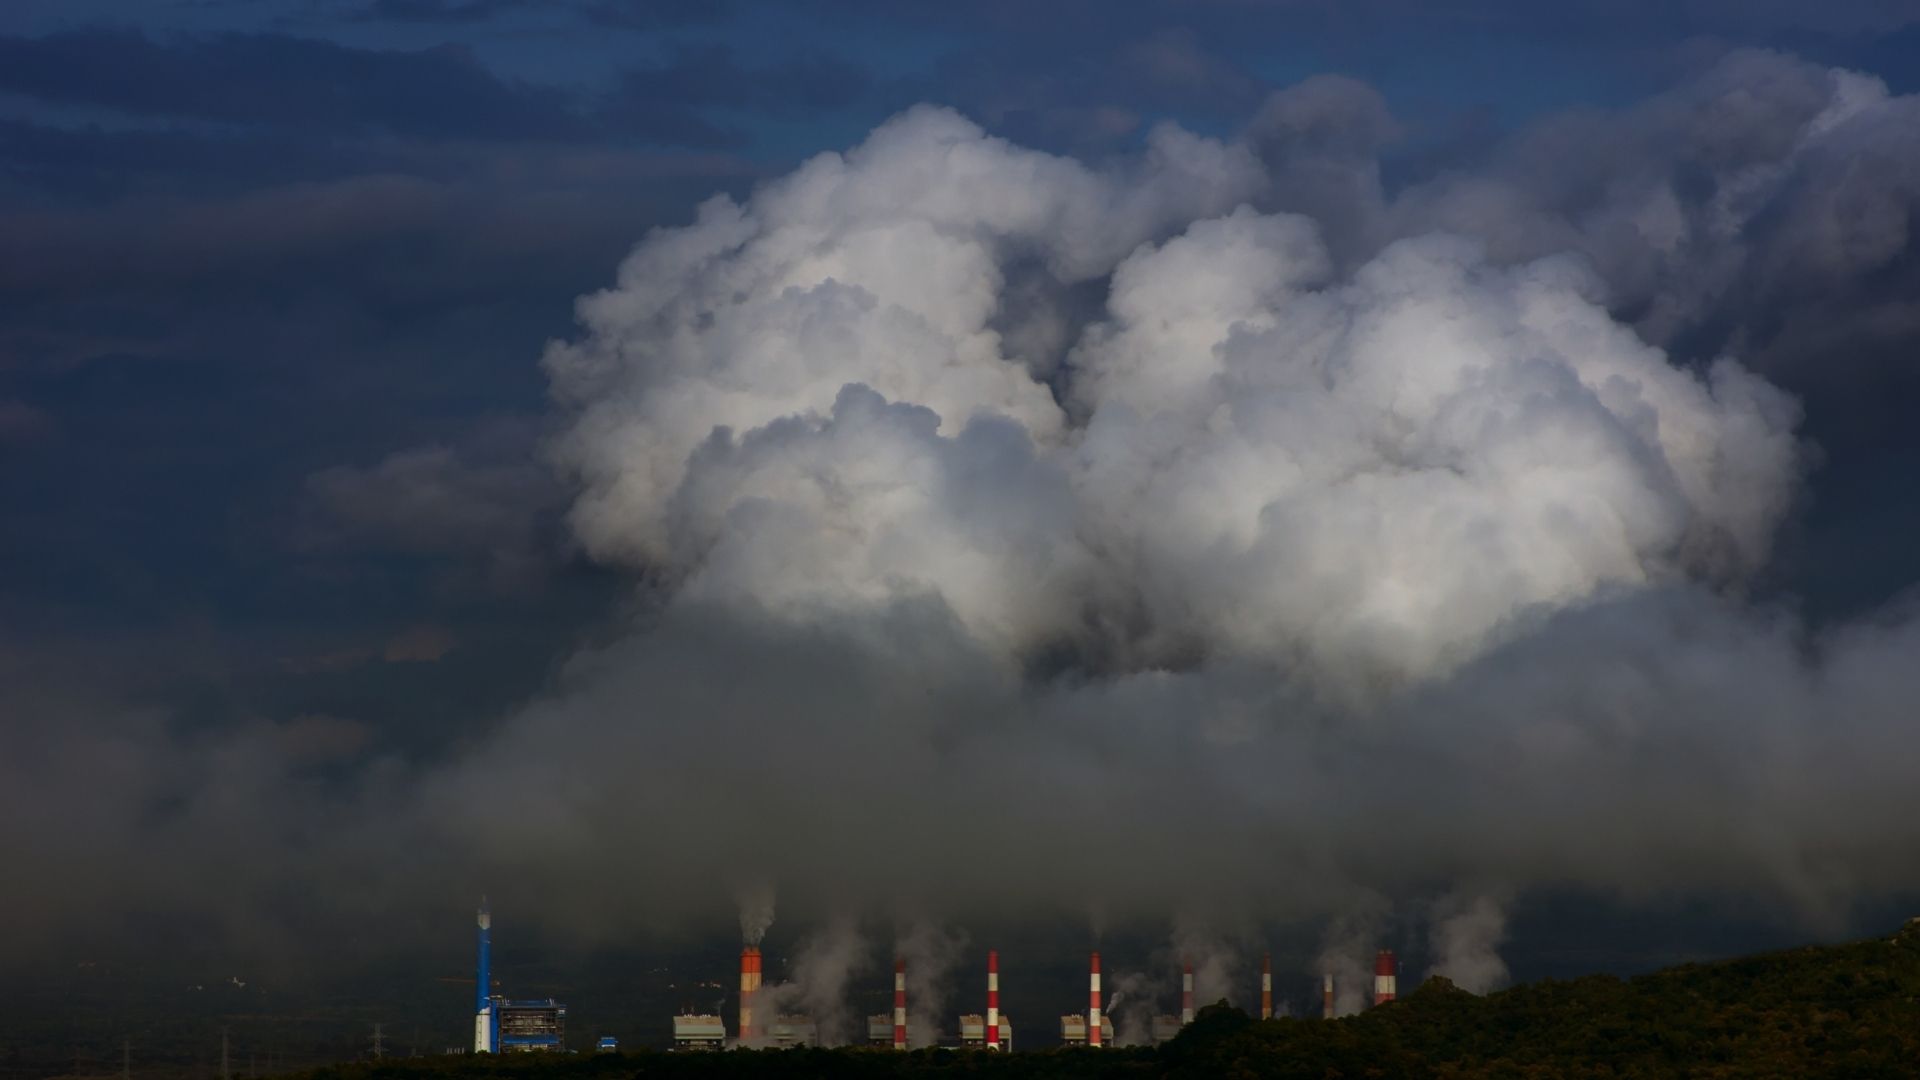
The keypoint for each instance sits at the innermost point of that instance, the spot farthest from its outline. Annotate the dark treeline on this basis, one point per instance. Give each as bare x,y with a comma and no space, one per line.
1848,1010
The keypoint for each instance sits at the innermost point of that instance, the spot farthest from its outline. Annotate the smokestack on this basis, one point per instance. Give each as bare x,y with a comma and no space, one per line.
1384,983
899,1004
1093,1004
993,1000
483,985
749,988
1326,996
1186,992
1266,986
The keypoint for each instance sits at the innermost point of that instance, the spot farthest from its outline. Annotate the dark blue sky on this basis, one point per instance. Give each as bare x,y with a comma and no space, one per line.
276,275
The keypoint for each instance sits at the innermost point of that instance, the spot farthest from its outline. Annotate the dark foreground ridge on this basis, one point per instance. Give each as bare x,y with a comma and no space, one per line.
1842,1010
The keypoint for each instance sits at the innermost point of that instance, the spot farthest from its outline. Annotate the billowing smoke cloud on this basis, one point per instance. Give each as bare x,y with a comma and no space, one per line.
1224,523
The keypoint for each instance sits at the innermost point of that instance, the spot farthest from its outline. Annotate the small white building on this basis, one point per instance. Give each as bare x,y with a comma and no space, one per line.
973,1031
794,1031
1073,1029
702,1031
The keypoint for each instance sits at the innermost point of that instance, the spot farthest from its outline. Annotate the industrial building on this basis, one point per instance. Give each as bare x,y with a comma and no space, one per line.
1163,1027
1073,1030
500,1025
530,1026
702,1031
788,1031
973,1032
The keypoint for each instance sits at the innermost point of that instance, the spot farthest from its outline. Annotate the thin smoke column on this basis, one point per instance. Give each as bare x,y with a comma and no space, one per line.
1385,984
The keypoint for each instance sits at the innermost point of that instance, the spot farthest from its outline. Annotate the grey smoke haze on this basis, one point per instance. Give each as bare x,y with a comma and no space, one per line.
1347,950
756,911
830,957
931,952
1357,546
1467,931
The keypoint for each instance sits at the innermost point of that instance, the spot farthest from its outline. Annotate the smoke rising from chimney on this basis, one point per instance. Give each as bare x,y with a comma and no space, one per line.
1467,929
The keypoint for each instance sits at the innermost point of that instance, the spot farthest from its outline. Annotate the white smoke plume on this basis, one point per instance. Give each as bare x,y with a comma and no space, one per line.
1130,997
823,970
1347,951
931,951
1223,964
801,405
1465,939
756,911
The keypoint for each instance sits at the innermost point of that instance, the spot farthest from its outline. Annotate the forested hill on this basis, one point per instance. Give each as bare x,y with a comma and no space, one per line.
1844,1011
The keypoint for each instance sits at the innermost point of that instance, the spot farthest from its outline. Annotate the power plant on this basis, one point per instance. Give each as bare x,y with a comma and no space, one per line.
504,1025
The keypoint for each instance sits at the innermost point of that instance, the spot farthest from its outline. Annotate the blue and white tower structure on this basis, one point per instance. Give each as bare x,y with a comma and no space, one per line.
485,1022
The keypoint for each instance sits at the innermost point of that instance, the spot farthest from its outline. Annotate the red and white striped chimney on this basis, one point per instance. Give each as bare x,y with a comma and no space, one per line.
1384,983
1093,1003
1266,986
899,1004
1186,991
993,1000
749,983
1326,995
